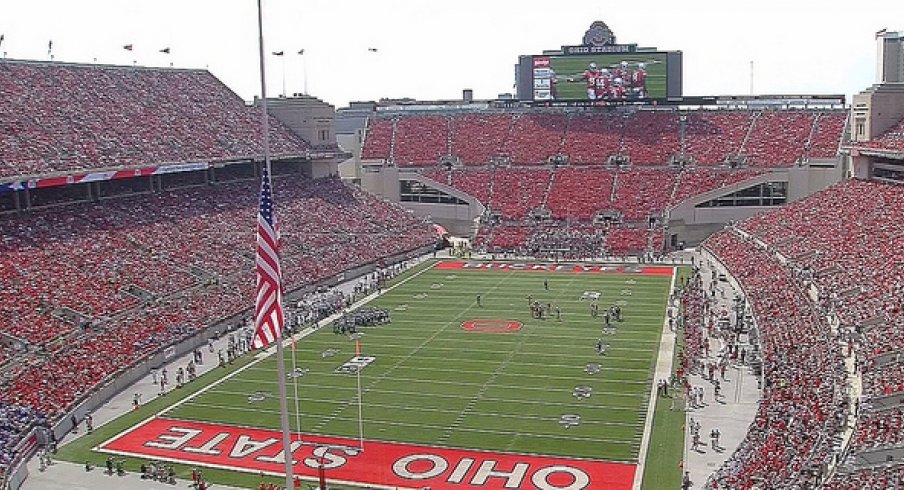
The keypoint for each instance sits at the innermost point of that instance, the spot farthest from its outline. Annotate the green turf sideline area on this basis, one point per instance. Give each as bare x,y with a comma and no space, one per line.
664,466
437,384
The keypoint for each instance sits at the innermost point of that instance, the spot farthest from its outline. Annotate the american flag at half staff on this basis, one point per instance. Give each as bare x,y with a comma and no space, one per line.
268,311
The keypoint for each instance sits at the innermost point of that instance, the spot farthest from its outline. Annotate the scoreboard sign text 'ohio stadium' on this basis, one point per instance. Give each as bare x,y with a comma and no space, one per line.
384,464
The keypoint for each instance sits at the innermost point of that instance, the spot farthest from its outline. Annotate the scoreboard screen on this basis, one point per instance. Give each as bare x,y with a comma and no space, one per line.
603,78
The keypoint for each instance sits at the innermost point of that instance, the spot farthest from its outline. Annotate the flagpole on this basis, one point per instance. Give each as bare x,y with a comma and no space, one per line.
280,361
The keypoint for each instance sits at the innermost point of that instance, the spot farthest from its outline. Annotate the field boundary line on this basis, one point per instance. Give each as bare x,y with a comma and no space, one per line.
663,370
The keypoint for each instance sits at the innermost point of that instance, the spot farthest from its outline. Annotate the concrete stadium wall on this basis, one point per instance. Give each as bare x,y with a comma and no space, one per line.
691,225
458,219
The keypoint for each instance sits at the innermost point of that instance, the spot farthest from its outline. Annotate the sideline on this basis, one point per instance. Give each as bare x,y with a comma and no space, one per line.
663,371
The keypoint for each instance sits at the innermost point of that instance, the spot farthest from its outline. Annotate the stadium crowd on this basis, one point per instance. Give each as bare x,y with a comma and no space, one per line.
188,252
768,138
59,117
15,420
573,196
845,242
802,406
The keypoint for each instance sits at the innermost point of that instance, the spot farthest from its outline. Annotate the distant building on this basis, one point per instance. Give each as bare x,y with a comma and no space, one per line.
890,59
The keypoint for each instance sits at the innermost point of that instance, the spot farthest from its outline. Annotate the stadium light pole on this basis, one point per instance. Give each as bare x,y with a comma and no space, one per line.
356,337
304,70
283,62
280,356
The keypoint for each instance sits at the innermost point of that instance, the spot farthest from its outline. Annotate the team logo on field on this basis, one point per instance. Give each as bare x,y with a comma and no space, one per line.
492,326
259,396
355,364
582,392
570,420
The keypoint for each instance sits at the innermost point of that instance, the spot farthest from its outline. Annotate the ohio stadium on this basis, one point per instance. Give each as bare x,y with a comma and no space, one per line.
596,282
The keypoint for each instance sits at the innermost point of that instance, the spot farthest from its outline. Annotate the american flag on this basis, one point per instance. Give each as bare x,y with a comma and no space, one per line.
268,312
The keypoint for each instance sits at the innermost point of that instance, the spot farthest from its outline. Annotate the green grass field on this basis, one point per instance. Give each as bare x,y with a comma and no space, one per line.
434,383
574,66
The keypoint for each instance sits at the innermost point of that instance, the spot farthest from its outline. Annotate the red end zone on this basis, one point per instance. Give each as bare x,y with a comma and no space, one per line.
381,463
573,268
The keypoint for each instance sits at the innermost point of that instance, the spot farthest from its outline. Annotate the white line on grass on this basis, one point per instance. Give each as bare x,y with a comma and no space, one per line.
420,394
454,383
551,419
632,442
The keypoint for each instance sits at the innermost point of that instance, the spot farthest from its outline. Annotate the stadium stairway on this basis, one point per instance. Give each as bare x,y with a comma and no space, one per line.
753,121
552,177
392,139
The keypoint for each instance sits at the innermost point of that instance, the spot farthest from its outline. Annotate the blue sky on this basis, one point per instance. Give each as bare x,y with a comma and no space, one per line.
432,49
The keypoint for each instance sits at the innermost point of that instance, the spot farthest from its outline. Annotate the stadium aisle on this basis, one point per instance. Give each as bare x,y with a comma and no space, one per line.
735,409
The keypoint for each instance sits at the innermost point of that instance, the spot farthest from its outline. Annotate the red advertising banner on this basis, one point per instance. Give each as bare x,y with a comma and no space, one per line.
380,464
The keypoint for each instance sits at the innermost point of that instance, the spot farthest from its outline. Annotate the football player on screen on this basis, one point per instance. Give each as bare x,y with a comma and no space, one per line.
639,81
591,76
603,84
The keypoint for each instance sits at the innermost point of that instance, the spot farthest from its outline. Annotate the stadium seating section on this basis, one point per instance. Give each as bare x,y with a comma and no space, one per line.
575,194
64,118
773,138
891,140
847,242
88,258
801,403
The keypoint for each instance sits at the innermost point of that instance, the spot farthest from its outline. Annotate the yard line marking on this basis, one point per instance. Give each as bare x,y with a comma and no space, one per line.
530,375
551,419
489,398
461,383
632,442
476,399
492,351
420,394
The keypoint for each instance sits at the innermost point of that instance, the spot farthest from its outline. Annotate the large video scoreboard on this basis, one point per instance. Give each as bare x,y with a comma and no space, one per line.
599,72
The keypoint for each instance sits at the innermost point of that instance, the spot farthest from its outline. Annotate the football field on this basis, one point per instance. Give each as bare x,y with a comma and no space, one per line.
450,374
